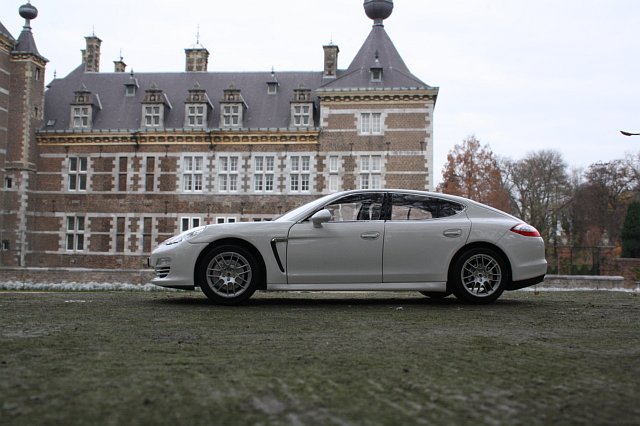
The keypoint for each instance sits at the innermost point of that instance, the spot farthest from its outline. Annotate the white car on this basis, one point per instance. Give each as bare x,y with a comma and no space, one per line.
360,240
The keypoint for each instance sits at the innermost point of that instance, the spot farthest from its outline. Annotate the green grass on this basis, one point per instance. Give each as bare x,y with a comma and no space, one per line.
318,359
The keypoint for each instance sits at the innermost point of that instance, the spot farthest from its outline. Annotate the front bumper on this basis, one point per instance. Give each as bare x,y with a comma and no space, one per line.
175,265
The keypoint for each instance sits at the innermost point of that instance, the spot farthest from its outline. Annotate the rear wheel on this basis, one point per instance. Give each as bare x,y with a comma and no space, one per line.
479,276
228,275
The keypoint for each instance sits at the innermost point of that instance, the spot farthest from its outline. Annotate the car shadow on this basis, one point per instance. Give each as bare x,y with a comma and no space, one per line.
314,299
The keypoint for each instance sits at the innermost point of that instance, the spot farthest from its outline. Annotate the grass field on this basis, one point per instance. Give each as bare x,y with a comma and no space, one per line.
117,358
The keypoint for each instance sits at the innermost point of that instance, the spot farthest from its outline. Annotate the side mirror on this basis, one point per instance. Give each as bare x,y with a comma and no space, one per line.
320,217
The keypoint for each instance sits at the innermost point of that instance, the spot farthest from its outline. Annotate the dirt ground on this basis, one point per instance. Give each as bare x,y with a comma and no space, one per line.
113,358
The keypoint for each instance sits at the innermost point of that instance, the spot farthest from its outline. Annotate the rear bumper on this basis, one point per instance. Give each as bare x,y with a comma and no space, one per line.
517,285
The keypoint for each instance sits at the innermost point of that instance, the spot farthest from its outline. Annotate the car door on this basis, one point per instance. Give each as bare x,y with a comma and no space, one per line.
346,249
421,235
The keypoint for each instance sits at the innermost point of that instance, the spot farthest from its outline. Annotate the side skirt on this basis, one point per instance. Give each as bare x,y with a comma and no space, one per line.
432,286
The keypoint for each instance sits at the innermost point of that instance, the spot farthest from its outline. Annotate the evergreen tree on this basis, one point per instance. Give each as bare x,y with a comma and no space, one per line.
631,232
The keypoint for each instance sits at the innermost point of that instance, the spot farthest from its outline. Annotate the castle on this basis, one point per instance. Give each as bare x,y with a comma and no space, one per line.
100,167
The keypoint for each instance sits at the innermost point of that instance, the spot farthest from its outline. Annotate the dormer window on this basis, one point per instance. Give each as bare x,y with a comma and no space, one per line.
301,108
153,115
231,115
154,108
196,107
376,74
272,87
80,117
196,115
131,86
232,108
82,109
302,115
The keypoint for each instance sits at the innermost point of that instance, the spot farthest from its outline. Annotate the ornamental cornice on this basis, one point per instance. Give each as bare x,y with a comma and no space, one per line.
173,138
419,95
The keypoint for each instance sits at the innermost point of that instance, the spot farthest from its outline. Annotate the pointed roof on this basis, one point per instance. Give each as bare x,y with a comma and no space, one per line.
377,52
26,43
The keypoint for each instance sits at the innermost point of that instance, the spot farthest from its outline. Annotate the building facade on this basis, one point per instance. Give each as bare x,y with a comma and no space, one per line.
106,165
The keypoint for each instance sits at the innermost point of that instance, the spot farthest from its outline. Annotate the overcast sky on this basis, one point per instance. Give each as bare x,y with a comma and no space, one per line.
520,75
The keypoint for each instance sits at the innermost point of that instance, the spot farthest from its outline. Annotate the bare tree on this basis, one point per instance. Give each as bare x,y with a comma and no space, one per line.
600,203
538,188
472,171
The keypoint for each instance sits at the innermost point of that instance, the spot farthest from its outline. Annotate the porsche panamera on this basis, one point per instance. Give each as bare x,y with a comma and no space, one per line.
393,240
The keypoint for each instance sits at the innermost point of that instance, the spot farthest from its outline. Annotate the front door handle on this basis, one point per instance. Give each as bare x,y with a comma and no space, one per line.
370,235
452,233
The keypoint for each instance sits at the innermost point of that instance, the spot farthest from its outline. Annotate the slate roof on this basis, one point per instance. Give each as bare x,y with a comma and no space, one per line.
378,51
264,110
5,32
125,112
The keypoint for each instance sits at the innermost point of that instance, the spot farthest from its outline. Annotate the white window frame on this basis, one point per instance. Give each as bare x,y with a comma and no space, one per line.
81,117
370,168
301,115
195,115
300,173
193,173
74,240
231,115
371,123
333,166
226,219
152,115
189,222
263,173
78,175
228,173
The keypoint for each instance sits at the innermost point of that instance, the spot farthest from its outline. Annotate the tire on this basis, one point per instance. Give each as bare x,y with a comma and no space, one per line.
435,295
479,276
228,275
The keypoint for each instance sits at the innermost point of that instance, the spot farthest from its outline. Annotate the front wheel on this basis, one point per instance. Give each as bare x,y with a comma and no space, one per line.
479,276
228,275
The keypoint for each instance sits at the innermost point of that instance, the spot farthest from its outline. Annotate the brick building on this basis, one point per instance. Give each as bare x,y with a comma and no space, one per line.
105,165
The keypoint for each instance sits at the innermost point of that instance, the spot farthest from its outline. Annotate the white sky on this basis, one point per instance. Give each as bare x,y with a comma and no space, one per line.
520,75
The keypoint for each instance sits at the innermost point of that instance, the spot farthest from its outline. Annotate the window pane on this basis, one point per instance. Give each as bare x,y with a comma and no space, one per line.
80,242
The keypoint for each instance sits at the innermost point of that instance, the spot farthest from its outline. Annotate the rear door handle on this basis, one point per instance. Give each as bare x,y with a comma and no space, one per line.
370,235
452,233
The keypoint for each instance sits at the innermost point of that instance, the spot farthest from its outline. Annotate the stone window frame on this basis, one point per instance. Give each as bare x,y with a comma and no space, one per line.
301,117
264,173
300,174
228,171
370,123
77,174
193,173
333,167
75,233
198,115
226,219
370,171
81,117
153,116
189,222
231,115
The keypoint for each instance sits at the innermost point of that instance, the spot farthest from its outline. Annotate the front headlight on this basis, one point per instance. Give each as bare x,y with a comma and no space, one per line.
185,236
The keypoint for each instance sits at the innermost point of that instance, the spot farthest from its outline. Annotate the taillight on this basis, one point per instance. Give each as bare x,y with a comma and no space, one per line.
526,230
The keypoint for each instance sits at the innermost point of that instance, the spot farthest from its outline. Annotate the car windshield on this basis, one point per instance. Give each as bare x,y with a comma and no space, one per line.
299,212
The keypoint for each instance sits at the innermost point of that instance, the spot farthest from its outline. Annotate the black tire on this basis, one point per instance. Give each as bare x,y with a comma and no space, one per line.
435,295
479,276
228,275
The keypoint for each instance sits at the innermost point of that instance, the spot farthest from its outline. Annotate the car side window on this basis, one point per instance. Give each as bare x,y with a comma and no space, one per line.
357,207
418,207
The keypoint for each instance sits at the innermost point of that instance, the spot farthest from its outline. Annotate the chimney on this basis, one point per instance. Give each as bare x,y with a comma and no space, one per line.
197,59
119,66
91,55
330,60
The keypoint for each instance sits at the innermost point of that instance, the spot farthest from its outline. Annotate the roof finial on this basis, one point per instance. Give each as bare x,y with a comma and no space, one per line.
198,35
378,10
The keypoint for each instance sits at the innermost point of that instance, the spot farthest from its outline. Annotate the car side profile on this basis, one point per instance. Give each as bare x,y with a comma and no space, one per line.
394,240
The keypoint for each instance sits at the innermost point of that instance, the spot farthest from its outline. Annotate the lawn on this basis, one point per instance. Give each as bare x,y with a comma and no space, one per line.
115,358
